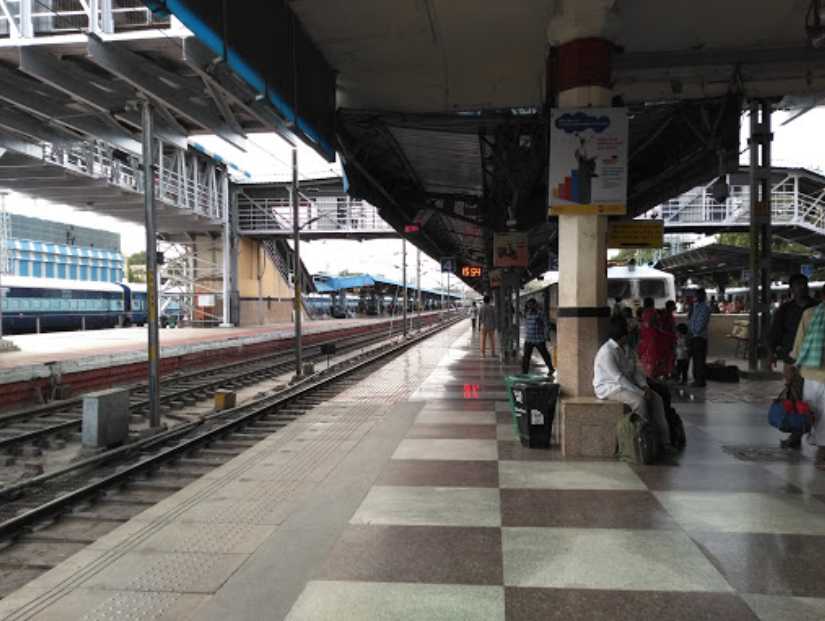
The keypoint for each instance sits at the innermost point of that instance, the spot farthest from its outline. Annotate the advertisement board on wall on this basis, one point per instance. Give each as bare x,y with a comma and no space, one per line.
510,250
588,161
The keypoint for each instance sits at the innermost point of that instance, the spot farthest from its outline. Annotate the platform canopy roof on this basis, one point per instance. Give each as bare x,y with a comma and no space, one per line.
331,284
441,104
717,262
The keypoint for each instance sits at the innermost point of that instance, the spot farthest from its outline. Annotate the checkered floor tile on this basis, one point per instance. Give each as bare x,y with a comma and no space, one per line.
465,523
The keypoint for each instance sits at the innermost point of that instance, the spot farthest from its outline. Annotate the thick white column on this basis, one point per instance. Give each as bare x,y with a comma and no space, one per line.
580,32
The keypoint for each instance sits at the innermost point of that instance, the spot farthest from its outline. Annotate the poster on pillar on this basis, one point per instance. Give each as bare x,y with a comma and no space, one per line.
510,250
588,161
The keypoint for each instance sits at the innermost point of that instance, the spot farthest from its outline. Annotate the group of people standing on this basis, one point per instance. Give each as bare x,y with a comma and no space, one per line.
665,349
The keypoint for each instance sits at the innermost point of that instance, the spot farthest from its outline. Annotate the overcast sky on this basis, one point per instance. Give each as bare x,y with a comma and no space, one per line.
268,157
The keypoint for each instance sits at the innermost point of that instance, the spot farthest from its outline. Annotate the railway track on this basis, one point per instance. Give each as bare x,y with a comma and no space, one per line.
48,518
62,418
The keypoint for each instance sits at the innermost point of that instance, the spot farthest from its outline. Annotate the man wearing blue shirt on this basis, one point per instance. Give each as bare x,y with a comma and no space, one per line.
698,326
536,335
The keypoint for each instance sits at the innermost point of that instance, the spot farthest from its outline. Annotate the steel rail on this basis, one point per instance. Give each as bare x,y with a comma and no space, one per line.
229,420
268,363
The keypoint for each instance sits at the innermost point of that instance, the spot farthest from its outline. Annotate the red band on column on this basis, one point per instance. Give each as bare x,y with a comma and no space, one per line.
584,62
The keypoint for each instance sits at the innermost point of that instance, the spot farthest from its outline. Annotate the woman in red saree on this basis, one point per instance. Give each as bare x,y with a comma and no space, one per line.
668,338
655,346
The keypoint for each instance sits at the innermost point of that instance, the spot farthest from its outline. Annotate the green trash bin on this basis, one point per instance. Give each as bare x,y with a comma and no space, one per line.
517,405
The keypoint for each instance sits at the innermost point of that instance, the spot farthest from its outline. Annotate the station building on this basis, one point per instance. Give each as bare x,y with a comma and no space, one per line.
45,249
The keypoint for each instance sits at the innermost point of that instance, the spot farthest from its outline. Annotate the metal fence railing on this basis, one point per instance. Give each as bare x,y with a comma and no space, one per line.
206,198
29,19
325,215
789,206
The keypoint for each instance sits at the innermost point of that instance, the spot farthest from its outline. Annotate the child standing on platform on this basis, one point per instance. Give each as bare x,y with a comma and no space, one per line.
682,353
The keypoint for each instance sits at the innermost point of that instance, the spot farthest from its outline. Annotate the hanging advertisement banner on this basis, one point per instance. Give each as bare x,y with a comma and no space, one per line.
588,161
510,250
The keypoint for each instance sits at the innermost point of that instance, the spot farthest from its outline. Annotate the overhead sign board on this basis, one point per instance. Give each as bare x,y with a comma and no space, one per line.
510,250
448,265
635,234
471,271
588,161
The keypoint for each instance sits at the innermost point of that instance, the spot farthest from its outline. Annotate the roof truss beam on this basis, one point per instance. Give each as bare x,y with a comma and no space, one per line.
46,102
214,72
104,96
158,84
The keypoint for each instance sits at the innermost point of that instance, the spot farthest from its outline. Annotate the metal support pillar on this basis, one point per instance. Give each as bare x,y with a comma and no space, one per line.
760,230
404,282
418,285
151,266
4,261
296,265
26,21
227,252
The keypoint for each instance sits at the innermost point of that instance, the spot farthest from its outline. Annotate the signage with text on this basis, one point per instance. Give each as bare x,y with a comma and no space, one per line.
635,234
448,265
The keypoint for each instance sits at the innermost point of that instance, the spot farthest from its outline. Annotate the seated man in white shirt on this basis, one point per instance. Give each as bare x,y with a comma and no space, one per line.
617,376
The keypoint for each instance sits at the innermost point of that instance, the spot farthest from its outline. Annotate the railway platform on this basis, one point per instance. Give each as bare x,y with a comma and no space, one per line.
95,359
406,496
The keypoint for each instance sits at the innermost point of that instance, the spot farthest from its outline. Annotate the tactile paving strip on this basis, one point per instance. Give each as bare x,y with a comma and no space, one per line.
133,606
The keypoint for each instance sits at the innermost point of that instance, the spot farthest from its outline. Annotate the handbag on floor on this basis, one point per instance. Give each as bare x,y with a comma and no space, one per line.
789,413
637,441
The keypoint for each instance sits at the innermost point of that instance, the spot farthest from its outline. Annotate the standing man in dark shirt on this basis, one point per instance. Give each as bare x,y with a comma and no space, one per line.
698,327
783,332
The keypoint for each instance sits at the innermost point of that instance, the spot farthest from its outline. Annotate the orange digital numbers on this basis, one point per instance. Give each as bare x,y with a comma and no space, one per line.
471,271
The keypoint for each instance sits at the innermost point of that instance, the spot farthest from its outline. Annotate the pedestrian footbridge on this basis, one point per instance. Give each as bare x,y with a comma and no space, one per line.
797,208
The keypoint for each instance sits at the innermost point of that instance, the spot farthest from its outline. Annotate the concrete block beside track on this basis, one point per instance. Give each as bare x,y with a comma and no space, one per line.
105,418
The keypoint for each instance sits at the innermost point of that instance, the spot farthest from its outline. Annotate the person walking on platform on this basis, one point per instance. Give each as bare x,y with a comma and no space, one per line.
474,315
809,361
487,325
783,330
698,326
536,335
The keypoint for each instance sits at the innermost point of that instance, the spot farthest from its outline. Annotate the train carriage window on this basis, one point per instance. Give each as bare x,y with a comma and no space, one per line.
618,288
654,288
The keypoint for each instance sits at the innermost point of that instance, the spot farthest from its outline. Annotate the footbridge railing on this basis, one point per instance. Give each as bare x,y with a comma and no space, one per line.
797,200
319,217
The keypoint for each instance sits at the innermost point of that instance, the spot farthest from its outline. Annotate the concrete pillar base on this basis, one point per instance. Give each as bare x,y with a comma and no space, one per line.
579,339
588,426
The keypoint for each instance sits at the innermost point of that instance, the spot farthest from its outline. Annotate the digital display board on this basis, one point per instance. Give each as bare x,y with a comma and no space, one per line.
471,271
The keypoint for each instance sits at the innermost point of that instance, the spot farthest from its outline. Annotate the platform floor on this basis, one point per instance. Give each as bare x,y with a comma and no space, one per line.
407,497
57,346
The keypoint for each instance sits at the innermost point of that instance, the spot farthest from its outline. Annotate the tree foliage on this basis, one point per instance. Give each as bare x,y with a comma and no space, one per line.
743,240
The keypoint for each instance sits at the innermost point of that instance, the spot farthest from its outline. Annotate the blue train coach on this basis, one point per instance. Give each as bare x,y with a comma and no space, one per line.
66,304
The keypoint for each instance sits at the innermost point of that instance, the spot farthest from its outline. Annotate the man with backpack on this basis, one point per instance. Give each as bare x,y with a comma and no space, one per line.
616,376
